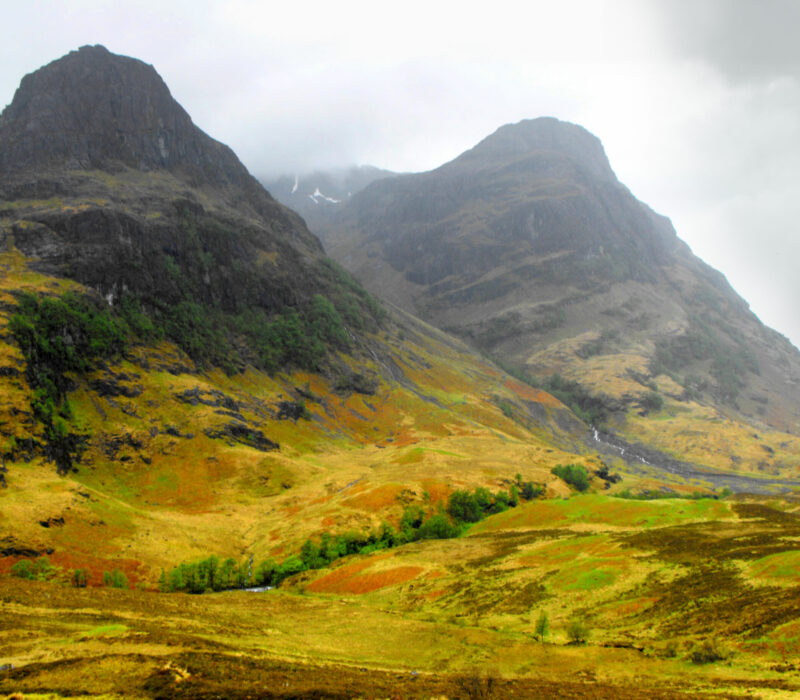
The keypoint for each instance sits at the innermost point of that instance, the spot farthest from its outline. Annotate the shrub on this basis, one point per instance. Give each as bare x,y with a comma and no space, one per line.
265,573
530,490
577,632
651,401
79,578
438,527
462,506
23,569
291,566
39,569
573,474
708,652
115,579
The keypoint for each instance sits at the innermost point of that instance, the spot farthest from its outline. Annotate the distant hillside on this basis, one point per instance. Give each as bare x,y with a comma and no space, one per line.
318,195
528,246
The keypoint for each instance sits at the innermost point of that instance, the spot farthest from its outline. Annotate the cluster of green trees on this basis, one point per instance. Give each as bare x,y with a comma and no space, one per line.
295,337
67,334
463,508
574,474
39,569
210,574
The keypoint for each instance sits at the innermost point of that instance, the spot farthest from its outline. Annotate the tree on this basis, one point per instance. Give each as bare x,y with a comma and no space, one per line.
79,578
542,626
577,632
438,527
464,507
531,490
574,474
115,579
265,572
23,569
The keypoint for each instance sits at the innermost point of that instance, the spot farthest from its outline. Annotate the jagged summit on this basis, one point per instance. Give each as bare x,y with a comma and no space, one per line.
93,109
106,179
546,138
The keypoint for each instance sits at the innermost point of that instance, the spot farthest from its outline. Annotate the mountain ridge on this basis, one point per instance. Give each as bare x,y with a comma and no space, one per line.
529,247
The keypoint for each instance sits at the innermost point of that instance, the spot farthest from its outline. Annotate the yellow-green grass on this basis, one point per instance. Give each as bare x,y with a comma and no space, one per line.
592,510
153,488
782,568
120,641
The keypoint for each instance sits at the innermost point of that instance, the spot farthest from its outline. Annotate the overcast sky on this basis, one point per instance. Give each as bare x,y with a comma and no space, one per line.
697,102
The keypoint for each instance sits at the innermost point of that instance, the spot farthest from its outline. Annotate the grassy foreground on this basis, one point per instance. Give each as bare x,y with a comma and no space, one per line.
657,584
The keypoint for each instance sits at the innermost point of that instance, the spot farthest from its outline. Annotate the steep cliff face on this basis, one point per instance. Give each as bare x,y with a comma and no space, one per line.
106,179
530,247
94,110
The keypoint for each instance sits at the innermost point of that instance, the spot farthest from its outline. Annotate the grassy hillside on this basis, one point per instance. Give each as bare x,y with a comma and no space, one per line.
174,462
674,598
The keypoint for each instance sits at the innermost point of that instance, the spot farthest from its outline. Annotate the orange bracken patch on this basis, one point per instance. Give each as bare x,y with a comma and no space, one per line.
437,490
380,497
530,394
328,521
330,582
366,583
96,566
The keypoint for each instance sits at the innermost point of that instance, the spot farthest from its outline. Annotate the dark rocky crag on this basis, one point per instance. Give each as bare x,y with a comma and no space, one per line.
105,178
529,246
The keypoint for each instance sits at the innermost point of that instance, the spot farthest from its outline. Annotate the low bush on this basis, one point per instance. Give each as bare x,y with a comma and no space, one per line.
115,579
79,578
577,632
708,652
573,474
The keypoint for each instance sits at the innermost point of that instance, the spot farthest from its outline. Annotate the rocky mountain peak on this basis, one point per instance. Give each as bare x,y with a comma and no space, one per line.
93,109
543,137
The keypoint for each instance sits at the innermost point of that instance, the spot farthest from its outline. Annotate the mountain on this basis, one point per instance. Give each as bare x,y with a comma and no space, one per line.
529,247
317,195
104,132
176,348
193,398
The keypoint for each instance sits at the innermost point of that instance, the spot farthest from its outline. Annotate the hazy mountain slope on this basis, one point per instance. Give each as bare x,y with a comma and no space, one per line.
528,246
316,196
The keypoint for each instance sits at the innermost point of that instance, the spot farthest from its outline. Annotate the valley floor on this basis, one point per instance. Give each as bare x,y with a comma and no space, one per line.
237,645
655,582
